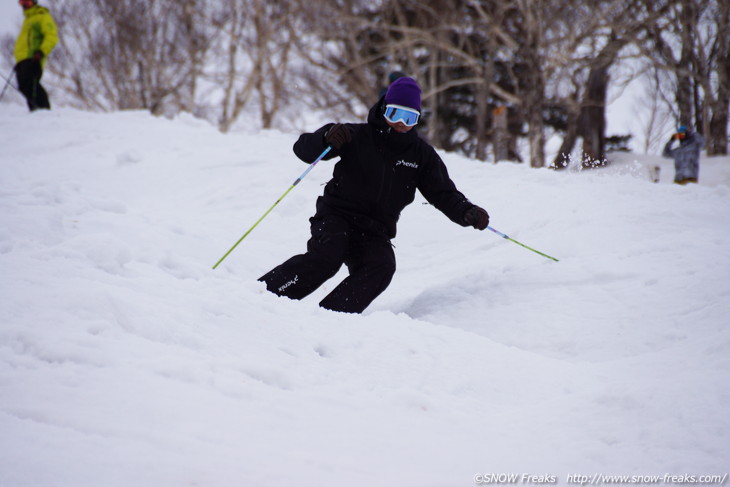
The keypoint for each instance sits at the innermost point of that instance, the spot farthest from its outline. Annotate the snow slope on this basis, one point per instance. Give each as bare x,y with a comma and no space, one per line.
126,360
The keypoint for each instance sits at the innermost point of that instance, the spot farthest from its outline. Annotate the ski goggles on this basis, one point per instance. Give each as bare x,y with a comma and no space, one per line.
406,116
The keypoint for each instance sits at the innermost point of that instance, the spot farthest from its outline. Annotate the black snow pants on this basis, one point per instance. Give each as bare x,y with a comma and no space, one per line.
368,255
29,73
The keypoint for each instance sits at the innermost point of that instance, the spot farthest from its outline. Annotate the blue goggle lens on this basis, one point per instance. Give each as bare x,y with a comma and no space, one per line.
396,113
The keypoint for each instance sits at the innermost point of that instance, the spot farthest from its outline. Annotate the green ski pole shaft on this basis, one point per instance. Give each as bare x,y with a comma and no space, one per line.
518,243
303,175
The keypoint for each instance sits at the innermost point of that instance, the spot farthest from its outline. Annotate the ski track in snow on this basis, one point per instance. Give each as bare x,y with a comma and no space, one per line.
126,360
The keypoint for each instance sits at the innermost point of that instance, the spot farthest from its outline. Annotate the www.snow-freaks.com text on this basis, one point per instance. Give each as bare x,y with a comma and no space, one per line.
598,479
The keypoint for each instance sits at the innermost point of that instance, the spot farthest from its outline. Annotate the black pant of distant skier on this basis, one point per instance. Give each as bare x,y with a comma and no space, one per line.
367,253
29,73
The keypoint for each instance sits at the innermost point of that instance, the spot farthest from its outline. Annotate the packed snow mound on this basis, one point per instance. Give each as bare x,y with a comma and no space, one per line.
126,360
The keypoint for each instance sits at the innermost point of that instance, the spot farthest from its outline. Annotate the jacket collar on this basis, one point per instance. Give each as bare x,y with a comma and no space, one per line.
34,10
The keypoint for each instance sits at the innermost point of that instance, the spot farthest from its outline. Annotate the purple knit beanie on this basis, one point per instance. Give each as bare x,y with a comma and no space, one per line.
404,92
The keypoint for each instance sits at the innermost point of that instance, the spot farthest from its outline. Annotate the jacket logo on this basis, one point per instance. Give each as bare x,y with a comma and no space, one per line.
407,164
290,283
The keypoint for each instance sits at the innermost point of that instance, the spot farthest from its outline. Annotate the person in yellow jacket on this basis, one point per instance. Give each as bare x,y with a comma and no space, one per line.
38,36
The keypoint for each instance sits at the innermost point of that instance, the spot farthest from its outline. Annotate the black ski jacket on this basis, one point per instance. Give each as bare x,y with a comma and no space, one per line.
378,174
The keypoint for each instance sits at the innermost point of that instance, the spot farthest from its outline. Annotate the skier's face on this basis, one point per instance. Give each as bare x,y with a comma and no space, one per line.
401,118
399,127
26,4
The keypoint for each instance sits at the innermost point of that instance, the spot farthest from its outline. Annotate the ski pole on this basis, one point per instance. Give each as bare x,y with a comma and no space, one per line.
303,175
7,82
518,243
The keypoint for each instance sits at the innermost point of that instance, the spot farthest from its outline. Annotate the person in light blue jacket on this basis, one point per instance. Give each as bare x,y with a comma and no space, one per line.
686,156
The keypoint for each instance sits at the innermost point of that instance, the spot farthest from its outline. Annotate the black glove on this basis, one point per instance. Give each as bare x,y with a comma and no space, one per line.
476,217
338,135
37,56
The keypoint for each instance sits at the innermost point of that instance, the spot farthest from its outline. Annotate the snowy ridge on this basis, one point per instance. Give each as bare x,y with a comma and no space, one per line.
126,360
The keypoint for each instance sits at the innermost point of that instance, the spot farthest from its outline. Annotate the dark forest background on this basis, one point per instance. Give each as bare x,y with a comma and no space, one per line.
494,73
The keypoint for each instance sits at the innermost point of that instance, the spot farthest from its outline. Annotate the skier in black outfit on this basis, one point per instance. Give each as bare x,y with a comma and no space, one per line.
382,164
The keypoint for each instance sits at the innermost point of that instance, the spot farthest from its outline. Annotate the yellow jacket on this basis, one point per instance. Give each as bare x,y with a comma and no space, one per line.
37,34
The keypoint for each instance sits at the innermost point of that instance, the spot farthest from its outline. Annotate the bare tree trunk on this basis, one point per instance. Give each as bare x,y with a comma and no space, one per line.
434,102
536,135
562,158
718,139
659,115
500,138
684,79
482,93
593,116
534,92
